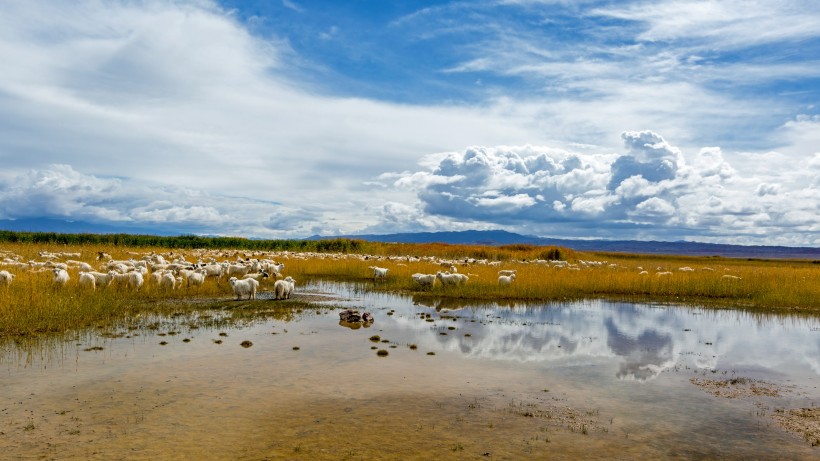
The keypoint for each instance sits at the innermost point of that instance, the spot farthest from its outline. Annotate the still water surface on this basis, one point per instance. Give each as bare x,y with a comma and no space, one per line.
579,380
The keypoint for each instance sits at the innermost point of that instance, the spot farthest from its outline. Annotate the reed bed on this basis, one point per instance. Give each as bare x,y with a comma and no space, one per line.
780,285
32,304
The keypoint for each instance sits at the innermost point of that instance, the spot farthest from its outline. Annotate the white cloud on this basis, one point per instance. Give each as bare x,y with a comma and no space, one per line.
651,191
727,23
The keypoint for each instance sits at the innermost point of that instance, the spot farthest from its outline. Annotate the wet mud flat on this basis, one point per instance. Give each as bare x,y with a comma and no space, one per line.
580,381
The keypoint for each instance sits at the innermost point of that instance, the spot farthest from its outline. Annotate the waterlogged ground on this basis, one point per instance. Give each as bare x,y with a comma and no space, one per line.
461,381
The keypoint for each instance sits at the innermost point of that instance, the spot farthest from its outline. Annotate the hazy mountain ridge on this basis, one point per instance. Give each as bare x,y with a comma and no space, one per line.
499,237
470,237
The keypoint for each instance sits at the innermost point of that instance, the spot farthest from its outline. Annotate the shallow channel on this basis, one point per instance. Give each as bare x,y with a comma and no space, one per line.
461,380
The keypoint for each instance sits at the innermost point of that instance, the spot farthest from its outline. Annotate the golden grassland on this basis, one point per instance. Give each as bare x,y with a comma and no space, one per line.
32,303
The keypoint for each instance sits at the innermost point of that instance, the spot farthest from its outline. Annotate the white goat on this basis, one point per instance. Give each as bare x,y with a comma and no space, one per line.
506,280
85,267
213,270
378,272
133,279
167,281
102,278
60,276
283,288
447,278
238,269
244,287
425,280
6,278
87,280
507,272
256,276
196,278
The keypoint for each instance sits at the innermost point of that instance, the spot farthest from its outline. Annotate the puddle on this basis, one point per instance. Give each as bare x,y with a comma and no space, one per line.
566,381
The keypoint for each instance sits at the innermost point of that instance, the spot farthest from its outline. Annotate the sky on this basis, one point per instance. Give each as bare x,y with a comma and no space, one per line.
644,120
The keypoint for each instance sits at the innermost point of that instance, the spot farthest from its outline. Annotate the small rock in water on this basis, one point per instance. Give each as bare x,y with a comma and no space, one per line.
353,316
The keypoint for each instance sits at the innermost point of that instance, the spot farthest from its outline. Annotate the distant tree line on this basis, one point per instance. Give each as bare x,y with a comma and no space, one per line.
521,252
340,245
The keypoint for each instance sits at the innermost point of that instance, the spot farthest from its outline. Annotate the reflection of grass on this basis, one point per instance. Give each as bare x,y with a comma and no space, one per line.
31,305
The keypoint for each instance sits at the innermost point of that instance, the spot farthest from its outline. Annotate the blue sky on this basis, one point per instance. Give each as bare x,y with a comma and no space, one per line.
665,120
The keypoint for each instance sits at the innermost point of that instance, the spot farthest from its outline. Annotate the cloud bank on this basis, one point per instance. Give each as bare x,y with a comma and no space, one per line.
651,191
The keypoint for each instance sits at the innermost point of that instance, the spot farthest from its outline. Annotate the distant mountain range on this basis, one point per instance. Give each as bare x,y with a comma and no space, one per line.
471,237
499,237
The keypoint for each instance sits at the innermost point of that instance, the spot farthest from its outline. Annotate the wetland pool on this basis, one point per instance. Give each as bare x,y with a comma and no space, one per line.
461,380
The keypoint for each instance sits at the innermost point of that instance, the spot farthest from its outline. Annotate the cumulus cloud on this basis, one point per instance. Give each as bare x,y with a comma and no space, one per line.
652,190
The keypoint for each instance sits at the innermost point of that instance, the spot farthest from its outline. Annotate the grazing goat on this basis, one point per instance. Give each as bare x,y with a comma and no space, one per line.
102,279
133,279
282,289
447,278
257,276
425,280
506,280
87,280
238,269
378,272
213,270
6,278
244,287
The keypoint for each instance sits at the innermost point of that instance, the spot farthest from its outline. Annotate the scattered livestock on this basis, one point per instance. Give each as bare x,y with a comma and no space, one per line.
282,289
244,287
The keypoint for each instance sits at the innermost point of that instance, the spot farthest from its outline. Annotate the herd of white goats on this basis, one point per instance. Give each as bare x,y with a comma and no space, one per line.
244,272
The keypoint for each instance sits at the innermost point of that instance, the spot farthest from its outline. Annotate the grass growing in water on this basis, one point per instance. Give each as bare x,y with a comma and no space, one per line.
32,304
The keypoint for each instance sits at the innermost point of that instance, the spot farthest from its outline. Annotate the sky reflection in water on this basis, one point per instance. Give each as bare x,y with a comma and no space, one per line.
644,339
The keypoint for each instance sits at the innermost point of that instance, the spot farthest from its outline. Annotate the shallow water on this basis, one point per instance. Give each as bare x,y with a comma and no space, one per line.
580,380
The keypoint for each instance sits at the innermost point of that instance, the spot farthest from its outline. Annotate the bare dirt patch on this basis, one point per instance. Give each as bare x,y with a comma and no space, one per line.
802,421
736,388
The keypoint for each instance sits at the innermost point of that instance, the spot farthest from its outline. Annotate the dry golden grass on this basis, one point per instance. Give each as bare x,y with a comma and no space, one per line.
33,304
